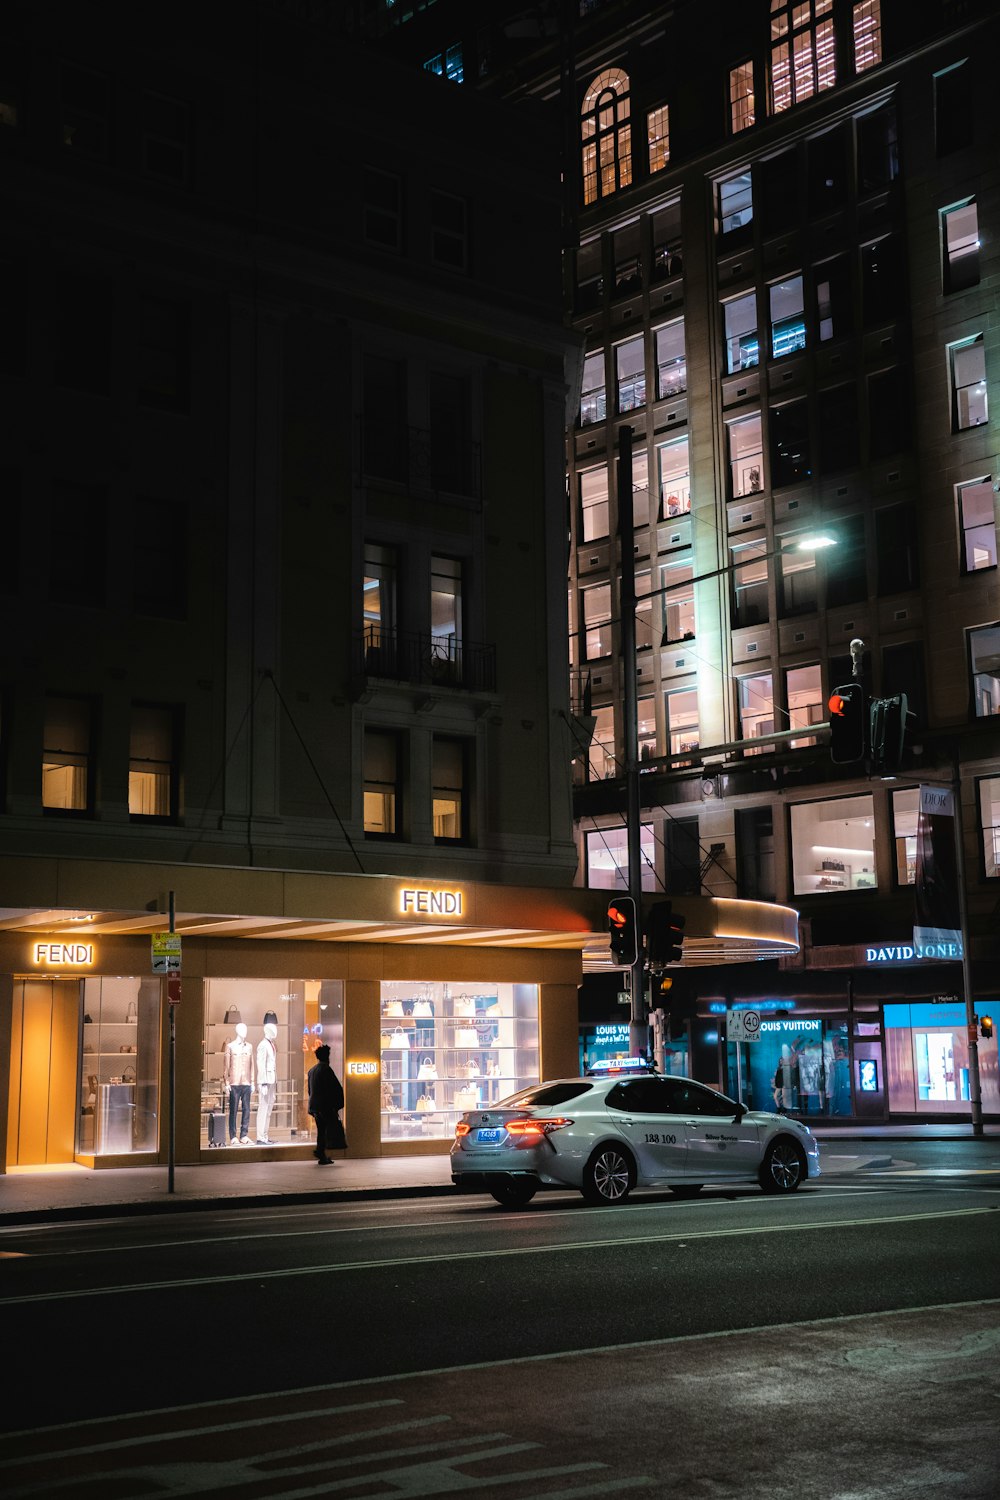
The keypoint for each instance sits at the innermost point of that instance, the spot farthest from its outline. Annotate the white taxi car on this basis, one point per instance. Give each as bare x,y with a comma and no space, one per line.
606,1136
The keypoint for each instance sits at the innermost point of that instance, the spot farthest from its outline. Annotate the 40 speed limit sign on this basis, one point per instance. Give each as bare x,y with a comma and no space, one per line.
742,1025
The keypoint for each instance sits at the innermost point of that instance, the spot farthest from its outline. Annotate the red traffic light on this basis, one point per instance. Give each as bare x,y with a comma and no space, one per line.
837,704
848,706
623,930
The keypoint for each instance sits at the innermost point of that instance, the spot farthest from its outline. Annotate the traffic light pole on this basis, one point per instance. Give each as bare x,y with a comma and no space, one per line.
638,1024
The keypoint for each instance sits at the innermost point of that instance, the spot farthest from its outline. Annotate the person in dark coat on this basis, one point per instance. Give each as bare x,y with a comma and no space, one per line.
326,1099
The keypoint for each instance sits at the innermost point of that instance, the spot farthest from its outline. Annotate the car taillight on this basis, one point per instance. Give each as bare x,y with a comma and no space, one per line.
462,1129
534,1129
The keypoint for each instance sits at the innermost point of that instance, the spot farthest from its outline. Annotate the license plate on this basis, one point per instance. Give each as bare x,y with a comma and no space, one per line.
488,1137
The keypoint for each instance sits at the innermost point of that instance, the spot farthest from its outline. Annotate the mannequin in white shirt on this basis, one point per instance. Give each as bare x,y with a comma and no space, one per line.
237,1077
267,1075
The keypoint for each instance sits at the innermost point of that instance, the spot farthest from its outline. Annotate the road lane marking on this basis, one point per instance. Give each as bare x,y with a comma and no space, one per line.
442,1258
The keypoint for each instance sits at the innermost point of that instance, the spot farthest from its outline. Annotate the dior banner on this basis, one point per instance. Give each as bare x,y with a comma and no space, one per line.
937,918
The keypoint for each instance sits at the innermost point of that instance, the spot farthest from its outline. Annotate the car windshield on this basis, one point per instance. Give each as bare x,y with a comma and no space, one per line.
544,1094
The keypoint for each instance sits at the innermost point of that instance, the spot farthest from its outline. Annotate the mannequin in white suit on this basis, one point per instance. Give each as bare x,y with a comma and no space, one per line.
267,1077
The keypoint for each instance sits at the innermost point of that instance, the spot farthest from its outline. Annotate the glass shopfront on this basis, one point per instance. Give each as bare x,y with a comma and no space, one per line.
446,1048
119,1067
815,1070
927,1060
259,1044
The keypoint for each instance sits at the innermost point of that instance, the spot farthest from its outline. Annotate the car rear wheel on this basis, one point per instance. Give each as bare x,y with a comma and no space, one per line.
513,1194
685,1189
783,1167
609,1176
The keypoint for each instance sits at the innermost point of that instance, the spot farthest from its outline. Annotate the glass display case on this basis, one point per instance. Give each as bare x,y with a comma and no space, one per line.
259,1044
119,1067
447,1048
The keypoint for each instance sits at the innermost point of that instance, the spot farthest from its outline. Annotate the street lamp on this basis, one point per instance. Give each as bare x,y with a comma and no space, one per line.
628,601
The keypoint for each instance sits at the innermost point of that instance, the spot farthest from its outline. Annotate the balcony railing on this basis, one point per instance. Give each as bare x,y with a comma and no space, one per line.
418,657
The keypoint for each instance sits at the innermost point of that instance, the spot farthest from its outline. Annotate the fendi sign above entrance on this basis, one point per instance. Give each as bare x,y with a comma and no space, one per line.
430,903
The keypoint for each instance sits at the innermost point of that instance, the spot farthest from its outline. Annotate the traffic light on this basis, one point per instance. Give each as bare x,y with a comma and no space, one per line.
848,724
888,729
986,1027
622,930
664,935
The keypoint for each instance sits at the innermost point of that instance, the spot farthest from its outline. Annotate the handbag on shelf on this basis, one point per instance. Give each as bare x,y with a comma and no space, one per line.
466,1099
232,1016
493,1069
131,1014
388,1097
128,1074
385,1040
428,1068
466,1036
400,1038
465,1005
472,1069
423,1008
425,1104
393,1008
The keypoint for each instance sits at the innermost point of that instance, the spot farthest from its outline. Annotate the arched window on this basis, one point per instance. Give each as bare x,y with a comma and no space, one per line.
606,136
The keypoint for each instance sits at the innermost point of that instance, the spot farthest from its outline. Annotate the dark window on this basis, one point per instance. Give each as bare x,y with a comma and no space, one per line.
903,672
682,853
589,276
687,1098
847,564
82,334
888,424
954,102
640,1096
383,220
384,418
878,150
827,169
896,549
834,310
164,354
78,544
777,193
166,138
881,281
755,854
789,430
159,563
449,231
839,447
86,111
451,451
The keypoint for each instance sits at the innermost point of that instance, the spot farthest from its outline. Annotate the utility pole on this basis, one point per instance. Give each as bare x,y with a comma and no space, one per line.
638,1025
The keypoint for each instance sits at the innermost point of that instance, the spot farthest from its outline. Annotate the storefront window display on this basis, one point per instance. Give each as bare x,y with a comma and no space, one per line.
814,1059
927,1060
260,1037
447,1048
119,1066
833,845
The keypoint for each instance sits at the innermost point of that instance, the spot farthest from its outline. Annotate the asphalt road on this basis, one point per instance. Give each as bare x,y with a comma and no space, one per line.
843,1341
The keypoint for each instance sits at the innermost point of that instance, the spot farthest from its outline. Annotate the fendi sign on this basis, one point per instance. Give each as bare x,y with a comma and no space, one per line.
430,903
63,955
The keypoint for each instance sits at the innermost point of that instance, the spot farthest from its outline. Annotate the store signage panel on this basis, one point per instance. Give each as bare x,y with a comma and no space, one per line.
415,902
744,1026
904,953
166,952
363,1069
63,955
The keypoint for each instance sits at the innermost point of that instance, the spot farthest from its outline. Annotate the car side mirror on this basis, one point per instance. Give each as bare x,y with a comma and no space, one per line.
741,1110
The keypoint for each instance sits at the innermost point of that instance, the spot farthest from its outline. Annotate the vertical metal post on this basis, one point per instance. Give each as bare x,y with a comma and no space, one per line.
975,1091
638,1025
171,1076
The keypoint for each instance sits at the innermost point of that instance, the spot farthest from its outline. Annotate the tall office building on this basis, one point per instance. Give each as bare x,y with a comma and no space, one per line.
780,248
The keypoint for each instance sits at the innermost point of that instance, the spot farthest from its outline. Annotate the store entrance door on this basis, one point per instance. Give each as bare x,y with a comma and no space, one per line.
44,1069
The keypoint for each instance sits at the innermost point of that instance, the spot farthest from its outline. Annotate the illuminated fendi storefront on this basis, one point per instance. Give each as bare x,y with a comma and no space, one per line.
418,1032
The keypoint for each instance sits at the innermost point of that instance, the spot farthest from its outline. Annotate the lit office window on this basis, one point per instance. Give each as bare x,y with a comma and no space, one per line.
960,243
804,696
867,31
742,340
741,108
607,858
448,789
594,503
756,706
630,374
984,660
151,780
658,136
803,60
381,784
675,478
989,817
66,755
969,403
606,136
833,846
977,516
746,455
671,361
677,596
905,808
681,719
788,321
735,202
593,394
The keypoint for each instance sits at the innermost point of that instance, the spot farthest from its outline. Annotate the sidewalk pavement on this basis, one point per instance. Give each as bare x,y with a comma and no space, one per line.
57,1193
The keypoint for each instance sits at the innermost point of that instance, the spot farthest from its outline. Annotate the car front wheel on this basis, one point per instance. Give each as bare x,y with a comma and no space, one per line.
783,1167
609,1176
513,1194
